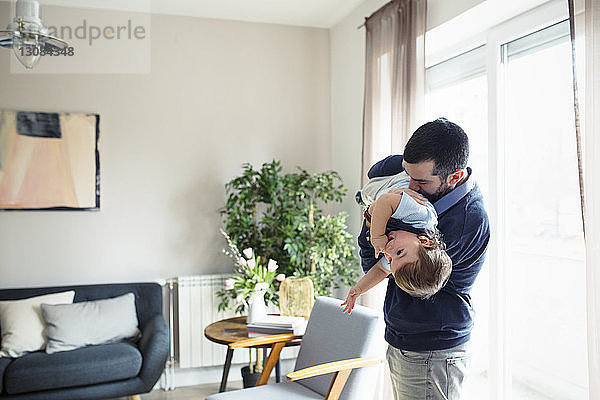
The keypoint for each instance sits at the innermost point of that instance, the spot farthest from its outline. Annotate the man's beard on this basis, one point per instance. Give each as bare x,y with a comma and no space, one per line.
443,190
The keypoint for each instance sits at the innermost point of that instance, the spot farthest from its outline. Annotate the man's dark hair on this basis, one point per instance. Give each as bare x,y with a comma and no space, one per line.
442,142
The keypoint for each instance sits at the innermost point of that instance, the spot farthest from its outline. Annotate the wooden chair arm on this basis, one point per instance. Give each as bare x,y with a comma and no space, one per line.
260,341
341,370
330,367
278,342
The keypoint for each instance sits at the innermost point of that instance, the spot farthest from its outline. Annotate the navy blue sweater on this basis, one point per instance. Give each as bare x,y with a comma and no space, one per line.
446,319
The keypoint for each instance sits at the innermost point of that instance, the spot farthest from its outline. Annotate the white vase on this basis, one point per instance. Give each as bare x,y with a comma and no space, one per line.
257,309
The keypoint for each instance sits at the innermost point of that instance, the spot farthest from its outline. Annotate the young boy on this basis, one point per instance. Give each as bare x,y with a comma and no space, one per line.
414,254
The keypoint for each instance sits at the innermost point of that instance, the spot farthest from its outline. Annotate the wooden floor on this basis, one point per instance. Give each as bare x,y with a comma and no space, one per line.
478,390
198,392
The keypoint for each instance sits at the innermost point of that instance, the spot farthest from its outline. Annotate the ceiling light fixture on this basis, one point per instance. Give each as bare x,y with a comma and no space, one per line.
27,36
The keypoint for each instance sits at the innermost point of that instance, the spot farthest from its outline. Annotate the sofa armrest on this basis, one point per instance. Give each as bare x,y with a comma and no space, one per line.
154,346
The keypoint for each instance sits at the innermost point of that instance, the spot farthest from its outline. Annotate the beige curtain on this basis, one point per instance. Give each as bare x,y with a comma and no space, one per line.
585,17
394,88
394,78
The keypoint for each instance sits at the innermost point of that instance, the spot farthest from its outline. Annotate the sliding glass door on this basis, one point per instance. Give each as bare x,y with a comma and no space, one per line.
544,240
514,97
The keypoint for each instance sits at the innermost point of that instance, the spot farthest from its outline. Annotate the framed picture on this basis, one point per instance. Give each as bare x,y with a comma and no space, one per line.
49,161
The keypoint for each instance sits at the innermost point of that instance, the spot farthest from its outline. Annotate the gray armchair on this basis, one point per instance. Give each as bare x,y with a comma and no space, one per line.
334,347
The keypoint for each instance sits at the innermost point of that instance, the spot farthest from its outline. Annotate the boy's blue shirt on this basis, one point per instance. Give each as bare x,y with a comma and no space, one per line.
421,217
446,319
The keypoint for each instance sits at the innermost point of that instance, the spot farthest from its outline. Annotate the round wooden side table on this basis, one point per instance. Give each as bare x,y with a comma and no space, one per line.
228,331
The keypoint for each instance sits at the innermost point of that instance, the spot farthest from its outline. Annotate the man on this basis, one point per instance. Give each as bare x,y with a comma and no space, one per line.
428,339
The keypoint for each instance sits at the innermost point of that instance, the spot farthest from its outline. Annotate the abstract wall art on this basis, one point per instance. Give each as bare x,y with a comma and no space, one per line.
49,161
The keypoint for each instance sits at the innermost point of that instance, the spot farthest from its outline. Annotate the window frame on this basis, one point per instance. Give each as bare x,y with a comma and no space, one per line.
527,23
494,39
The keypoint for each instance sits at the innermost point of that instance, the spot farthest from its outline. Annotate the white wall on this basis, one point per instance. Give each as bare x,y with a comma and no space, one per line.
440,11
170,139
347,90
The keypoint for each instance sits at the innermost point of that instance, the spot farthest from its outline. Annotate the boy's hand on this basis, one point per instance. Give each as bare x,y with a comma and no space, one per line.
379,243
351,299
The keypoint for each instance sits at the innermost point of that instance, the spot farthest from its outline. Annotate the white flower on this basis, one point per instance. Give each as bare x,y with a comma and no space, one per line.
272,266
251,263
229,284
280,277
242,262
248,252
261,286
239,298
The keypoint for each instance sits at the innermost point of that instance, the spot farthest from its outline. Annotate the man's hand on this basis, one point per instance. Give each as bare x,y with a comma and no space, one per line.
351,299
415,195
379,243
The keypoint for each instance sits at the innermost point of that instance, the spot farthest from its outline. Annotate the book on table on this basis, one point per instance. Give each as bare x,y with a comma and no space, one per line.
280,321
277,325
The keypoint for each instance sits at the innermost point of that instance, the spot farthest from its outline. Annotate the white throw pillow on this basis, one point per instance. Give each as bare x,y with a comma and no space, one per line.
70,326
22,324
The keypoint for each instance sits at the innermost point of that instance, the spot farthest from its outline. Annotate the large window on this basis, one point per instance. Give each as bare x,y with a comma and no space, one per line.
514,98
544,241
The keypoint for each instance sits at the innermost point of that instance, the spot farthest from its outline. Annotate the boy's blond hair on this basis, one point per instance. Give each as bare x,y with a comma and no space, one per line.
426,276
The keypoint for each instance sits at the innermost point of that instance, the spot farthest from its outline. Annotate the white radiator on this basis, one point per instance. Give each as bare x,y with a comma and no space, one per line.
196,305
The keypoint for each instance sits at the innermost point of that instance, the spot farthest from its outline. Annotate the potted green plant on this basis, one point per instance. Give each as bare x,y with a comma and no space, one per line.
281,216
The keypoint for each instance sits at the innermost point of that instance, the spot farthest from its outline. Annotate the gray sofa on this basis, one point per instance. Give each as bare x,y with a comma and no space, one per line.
94,372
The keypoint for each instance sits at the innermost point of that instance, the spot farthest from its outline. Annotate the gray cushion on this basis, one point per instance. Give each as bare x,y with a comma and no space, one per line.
332,335
22,323
71,326
148,296
277,391
86,366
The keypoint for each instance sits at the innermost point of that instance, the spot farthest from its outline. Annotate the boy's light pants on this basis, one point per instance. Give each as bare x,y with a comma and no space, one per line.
429,375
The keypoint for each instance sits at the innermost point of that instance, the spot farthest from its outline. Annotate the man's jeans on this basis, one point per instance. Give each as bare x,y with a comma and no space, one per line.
429,375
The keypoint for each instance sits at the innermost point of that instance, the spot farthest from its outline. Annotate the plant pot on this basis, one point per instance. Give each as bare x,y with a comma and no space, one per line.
248,378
